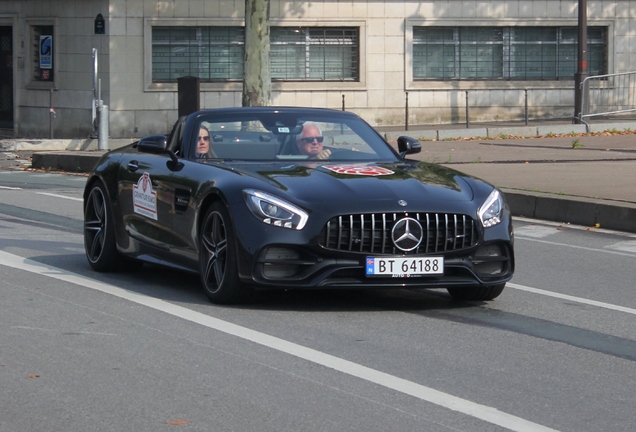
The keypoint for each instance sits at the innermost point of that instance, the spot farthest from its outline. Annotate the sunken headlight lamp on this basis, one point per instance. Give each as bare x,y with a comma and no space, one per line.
491,210
275,211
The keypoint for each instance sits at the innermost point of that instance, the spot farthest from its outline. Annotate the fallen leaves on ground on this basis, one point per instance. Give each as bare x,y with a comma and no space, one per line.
177,422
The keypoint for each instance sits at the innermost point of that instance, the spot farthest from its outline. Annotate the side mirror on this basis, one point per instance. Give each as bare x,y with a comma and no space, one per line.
157,144
153,144
408,145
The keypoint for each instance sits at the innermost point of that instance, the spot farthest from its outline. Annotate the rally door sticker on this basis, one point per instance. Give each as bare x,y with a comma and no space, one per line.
144,198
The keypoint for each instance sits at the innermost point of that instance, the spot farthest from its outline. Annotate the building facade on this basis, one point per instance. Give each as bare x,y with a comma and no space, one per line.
424,62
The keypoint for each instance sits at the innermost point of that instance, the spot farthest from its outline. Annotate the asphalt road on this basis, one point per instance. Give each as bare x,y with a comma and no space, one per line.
145,351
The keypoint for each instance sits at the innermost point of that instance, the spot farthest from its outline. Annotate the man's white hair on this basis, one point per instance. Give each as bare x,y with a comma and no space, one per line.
300,135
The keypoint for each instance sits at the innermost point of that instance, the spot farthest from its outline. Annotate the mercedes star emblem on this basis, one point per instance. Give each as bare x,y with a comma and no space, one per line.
407,234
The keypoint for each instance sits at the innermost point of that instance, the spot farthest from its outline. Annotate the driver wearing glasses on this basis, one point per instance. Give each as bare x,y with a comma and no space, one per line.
309,143
203,144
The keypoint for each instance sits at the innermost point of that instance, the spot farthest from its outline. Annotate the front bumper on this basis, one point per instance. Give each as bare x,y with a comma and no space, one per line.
283,266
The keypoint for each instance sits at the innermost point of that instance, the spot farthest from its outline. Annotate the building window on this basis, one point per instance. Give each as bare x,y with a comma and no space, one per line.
210,53
43,58
216,54
509,53
314,54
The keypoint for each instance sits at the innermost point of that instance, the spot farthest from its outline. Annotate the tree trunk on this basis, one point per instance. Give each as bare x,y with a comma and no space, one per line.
257,83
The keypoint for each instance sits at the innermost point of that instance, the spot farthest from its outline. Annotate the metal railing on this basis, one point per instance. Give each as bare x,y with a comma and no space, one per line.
608,94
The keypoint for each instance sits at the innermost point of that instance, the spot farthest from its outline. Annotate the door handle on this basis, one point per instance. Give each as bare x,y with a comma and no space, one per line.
133,166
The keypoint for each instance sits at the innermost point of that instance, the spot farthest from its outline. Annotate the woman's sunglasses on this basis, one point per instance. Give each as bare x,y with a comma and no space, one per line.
204,138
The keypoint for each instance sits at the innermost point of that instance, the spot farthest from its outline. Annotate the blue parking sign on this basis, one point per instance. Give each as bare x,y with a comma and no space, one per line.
46,52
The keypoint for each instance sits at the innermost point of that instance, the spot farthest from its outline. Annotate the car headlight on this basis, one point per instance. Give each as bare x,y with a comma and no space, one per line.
272,210
491,210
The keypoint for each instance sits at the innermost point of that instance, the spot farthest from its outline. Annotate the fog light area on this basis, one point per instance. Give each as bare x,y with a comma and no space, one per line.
277,271
276,265
490,260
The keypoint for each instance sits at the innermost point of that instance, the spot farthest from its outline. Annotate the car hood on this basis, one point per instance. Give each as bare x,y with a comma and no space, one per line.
410,181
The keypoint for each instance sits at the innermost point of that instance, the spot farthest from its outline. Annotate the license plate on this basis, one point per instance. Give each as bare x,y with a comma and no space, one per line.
404,267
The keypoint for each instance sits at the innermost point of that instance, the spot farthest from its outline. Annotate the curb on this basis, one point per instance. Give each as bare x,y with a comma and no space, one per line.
71,145
66,161
573,210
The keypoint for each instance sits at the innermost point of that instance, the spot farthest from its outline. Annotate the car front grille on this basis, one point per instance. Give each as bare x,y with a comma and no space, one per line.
372,233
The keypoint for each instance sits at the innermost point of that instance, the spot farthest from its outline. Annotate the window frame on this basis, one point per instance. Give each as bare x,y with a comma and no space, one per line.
32,83
415,84
307,45
237,85
498,46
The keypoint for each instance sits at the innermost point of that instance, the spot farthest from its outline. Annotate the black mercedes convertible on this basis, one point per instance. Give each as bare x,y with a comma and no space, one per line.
295,198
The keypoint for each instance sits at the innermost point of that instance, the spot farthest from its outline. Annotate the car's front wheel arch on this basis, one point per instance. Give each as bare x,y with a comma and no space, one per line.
100,243
207,202
219,251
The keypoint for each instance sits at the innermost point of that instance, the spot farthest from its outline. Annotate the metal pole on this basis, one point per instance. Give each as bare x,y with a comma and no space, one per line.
343,102
406,119
95,103
526,105
467,117
51,113
582,69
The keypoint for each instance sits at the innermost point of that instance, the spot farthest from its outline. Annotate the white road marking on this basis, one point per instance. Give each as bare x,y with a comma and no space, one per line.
10,188
627,246
596,250
535,231
60,196
569,226
572,298
430,395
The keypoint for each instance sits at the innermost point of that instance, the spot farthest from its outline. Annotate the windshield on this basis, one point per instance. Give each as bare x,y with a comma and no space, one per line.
273,136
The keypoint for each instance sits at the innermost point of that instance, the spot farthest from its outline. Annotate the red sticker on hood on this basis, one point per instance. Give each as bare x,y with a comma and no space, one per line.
362,170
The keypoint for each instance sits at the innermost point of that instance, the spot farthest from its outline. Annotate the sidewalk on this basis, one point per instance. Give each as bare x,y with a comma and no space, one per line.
547,170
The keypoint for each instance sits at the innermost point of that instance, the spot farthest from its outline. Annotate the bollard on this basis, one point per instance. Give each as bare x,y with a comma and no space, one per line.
102,143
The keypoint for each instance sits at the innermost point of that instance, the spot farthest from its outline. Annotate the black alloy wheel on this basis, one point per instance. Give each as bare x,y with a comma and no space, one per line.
217,258
99,232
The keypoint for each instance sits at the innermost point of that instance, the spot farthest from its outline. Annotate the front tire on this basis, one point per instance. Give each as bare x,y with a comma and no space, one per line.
99,233
217,258
488,292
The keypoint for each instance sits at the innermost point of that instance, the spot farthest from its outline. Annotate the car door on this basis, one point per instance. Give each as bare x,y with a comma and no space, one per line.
146,200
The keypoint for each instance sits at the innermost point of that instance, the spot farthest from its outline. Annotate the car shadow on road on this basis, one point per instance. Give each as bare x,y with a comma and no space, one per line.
362,300
184,287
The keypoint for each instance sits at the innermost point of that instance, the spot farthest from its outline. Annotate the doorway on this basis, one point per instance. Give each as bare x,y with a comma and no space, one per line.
6,77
